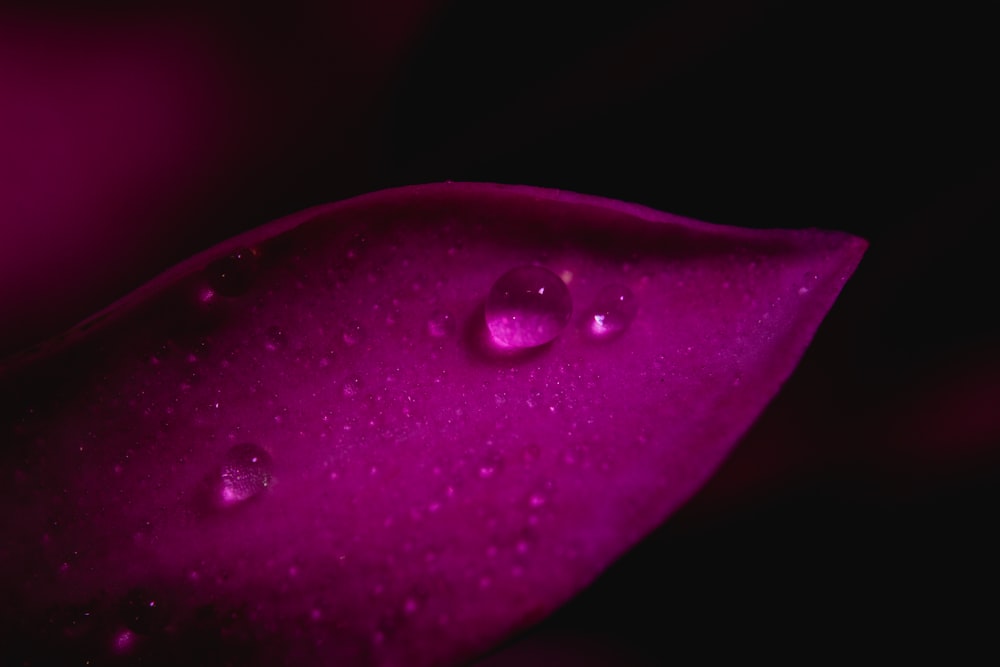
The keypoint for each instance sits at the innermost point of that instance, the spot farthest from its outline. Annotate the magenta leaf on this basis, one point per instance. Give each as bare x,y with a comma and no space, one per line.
333,440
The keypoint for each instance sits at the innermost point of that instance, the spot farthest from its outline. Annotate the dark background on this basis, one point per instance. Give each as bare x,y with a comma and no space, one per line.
863,504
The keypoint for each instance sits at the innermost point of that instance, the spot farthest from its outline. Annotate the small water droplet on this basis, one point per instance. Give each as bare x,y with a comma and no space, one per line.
440,324
612,312
527,307
233,275
245,473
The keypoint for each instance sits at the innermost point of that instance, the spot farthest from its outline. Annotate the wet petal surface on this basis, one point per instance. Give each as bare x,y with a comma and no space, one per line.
307,444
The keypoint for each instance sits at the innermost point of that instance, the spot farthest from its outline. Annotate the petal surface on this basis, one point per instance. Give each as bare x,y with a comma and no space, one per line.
303,445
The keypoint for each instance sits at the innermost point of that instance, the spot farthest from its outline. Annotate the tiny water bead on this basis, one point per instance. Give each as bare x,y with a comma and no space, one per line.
612,312
527,307
245,472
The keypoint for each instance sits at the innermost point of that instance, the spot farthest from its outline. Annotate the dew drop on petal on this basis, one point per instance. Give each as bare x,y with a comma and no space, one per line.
245,472
612,312
527,307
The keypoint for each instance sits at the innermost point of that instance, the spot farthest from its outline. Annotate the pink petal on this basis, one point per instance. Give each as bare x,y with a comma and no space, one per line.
400,491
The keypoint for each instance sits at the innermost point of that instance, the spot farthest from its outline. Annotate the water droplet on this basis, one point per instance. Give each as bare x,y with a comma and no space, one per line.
440,324
612,312
245,473
233,275
527,307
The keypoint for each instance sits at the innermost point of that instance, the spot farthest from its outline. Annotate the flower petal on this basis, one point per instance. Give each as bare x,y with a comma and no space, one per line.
306,445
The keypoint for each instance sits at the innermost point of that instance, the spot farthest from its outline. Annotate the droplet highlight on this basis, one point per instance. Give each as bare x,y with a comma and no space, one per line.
612,312
527,307
245,473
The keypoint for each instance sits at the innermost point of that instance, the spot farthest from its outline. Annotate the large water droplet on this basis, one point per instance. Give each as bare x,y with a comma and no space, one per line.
612,312
526,307
245,473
